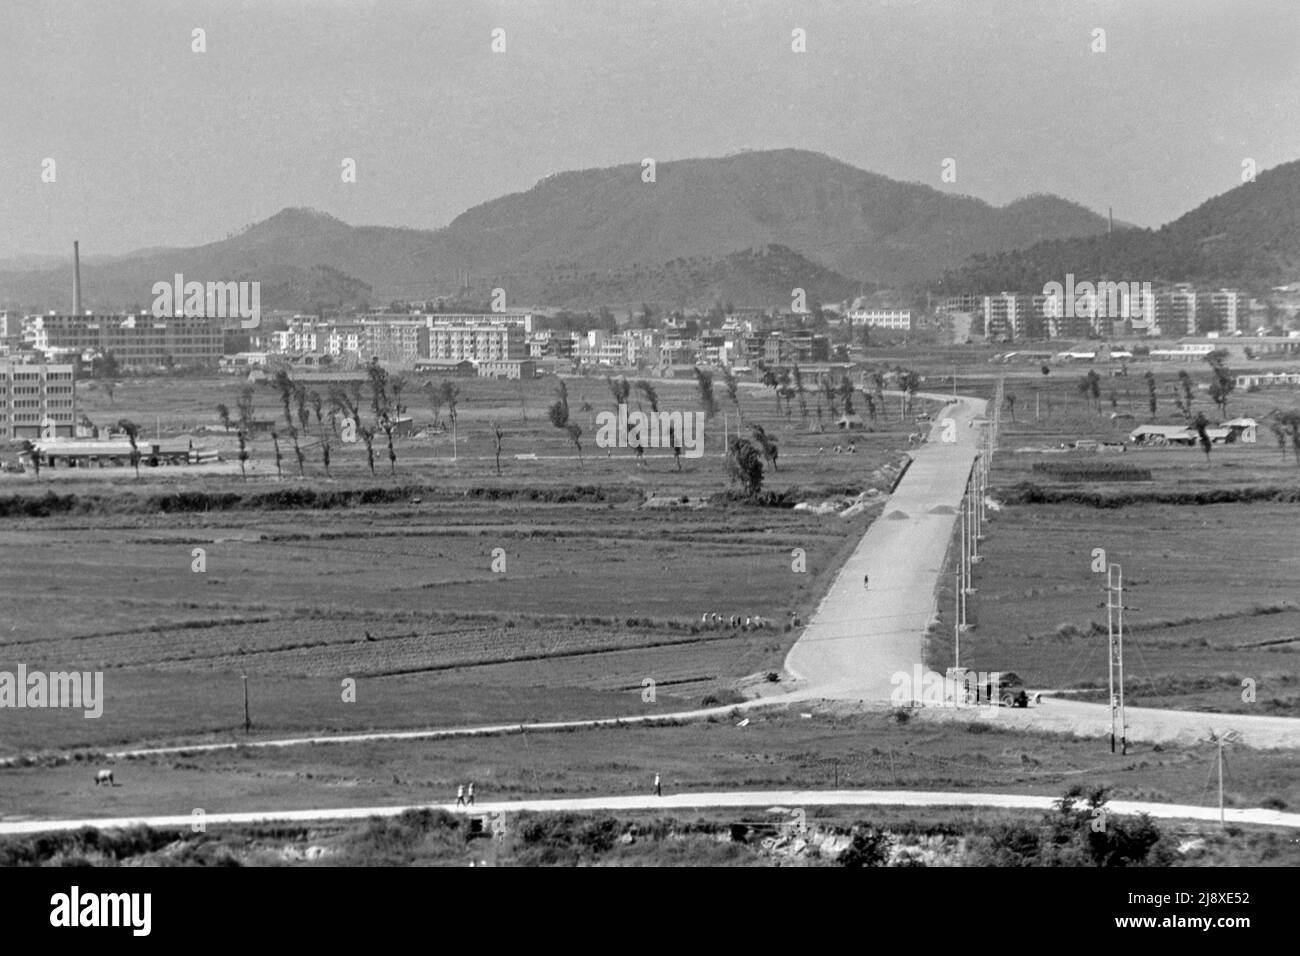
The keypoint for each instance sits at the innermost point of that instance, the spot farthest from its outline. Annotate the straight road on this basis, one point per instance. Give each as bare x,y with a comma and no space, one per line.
860,637
777,800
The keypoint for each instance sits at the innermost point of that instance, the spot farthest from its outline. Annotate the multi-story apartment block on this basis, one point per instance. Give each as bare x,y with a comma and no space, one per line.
136,341
11,332
476,342
550,343
1176,311
523,320
1003,315
37,401
969,303
395,340
880,317
1227,312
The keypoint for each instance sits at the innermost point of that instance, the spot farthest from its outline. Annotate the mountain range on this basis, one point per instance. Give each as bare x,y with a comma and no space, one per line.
746,228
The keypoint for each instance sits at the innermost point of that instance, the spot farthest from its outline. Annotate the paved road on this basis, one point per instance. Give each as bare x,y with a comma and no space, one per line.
860,637
1146,725
683,801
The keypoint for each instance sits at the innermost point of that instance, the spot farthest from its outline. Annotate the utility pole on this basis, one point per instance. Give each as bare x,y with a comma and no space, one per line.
956,619
1115,633
1220,779
248,723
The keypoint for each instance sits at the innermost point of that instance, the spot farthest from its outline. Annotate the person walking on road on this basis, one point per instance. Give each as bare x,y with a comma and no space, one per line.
460,795
865,577
658,789
470,793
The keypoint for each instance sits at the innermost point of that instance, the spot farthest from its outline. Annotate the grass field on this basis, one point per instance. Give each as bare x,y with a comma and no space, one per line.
1210,601
777,749
550,591
598,594
590,597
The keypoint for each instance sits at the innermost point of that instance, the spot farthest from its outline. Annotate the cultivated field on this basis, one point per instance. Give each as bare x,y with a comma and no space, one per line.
449,594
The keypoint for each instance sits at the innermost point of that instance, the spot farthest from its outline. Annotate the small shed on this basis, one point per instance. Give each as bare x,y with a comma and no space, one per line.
1244,430
1162,435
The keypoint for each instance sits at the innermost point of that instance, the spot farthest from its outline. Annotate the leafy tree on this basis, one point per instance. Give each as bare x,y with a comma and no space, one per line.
830,394
1287,425
245,435
619,389
910,383
1203,435
1224,383
730,383
450,395
288,390
846,393
648,391
766,444
434,395
132,431
559,415
704,380
275,440
397,385
1189,392
745,465
1090,388
800,391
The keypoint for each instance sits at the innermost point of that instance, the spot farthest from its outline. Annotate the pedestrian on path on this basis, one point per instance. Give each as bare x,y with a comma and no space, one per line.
471,793
658,789
460,795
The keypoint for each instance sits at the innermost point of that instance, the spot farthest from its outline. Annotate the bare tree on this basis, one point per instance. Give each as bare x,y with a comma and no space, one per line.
497,436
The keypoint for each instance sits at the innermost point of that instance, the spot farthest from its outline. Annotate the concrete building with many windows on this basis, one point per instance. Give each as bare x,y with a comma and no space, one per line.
478,343
882,317
37,401
136,341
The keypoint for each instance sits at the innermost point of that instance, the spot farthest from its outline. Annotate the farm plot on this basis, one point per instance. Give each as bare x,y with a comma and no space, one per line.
585,600
1210,602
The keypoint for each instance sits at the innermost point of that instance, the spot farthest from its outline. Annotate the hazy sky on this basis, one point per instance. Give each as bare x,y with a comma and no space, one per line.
159,145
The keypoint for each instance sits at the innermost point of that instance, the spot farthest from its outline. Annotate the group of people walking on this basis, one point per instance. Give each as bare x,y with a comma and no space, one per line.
464,796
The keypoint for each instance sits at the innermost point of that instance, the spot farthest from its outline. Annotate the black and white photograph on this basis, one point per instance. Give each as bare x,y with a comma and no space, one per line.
737,433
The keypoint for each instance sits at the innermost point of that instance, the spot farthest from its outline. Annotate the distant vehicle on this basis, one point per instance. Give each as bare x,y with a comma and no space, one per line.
1009,690
924,419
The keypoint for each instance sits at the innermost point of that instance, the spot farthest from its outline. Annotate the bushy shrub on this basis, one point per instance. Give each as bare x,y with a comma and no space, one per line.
868,847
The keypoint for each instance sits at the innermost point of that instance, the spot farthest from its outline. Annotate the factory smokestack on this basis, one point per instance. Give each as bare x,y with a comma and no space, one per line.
76,278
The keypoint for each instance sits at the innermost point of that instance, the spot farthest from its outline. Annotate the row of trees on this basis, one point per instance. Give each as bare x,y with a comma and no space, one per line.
341,408
788,384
